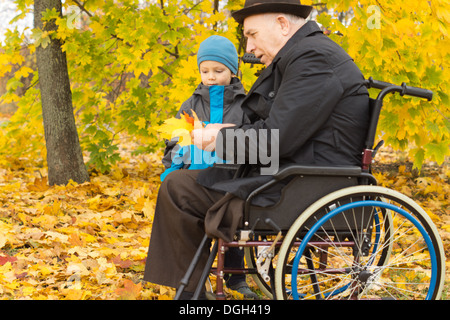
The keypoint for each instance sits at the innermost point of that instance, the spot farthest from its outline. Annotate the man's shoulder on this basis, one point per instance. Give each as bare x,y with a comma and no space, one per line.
314,47
319,43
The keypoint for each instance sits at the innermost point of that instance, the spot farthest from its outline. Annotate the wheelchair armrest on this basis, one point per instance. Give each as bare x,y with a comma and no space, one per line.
299,170
295,170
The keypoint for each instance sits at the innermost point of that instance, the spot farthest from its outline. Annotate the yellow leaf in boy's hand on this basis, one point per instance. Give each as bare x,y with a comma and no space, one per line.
197,123
179,127
174,127
194,120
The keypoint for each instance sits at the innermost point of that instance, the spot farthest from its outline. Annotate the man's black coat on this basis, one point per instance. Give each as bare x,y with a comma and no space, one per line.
313,93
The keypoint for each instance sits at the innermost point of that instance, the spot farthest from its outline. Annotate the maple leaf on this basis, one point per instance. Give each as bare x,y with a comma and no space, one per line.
39,185
6,259
130,290
124,264
180,127
75,240
188,118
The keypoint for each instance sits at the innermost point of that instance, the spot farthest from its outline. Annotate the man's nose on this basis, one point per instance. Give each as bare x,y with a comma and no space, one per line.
250,46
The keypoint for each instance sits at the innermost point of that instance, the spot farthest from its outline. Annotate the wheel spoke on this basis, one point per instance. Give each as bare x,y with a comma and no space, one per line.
367,250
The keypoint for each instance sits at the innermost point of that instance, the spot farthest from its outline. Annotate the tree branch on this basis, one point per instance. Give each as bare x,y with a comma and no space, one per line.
165,71
81,6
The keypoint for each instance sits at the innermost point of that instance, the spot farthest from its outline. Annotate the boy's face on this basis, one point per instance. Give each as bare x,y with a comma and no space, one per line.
214,73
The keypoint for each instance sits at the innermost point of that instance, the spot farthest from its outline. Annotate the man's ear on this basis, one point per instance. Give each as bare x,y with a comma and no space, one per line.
284,25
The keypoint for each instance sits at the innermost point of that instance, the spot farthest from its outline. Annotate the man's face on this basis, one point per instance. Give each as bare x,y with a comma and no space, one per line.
264,36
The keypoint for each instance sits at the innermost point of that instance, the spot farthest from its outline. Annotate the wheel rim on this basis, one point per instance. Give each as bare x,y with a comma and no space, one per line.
364,274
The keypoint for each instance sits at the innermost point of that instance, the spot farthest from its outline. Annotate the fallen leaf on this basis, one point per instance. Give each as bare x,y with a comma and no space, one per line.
130,290
39,185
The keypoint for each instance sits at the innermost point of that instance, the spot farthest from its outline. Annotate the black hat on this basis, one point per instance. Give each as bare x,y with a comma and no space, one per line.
252,7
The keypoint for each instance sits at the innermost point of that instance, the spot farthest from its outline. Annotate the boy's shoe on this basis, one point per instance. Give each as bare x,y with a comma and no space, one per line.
243,289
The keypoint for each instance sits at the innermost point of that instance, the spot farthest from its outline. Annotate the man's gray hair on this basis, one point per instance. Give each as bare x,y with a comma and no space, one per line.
299,21
294,19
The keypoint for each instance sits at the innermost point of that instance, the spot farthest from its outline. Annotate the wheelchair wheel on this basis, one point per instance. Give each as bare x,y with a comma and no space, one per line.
363,242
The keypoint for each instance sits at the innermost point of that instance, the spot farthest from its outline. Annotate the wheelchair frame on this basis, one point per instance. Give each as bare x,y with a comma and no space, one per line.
309,239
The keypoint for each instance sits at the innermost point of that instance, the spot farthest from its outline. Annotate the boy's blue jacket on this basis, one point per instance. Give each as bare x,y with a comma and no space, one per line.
212,104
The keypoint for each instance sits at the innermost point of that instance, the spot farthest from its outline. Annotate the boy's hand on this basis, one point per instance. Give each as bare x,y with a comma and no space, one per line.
205,138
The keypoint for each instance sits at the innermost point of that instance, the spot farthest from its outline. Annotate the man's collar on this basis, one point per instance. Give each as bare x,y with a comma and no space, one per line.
307,29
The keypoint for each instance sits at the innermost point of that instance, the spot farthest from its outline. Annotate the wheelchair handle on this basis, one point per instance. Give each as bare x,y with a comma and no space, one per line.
416,92
403,89
250,58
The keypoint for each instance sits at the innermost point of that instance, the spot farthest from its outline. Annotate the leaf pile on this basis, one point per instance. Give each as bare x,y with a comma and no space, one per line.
430,188
86,241
90,241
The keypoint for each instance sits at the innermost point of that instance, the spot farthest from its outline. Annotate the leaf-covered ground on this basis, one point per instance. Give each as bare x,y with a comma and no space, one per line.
89,241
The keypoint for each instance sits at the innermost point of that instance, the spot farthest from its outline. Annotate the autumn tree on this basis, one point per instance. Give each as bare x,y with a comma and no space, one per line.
401,41
64,156
131,64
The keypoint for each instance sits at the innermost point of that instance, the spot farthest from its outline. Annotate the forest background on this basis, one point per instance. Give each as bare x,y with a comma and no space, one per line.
131,64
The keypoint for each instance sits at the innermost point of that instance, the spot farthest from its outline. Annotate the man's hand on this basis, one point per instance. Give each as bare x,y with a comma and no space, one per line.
205,138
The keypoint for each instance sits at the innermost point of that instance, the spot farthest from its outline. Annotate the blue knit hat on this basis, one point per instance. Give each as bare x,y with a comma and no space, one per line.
220,49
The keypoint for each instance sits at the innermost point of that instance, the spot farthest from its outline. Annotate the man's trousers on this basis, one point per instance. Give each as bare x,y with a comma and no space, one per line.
179,226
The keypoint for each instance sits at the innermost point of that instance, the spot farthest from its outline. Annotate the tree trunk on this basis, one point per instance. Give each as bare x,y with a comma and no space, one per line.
64,156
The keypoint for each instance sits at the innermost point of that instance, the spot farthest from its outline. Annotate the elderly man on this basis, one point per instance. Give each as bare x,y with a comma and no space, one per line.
310,94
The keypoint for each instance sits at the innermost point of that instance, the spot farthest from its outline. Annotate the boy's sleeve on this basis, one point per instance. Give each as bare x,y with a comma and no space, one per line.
169,152
172,149
177,161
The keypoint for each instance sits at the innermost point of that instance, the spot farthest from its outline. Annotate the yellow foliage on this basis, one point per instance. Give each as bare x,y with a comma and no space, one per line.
399,41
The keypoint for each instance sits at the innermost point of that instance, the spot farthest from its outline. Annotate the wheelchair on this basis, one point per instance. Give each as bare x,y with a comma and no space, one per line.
347,239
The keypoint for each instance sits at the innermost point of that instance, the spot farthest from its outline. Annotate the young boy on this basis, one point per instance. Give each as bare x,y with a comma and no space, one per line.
217,99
